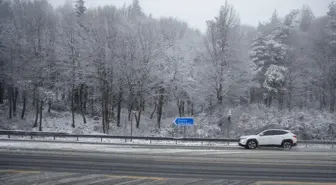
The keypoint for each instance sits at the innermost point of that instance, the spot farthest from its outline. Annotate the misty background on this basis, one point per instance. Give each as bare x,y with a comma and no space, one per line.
197,12
100,66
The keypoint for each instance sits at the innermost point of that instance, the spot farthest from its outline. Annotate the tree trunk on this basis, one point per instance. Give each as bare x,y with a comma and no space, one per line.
151,116
139,107
182,108
289,100
180,105
210,107
219,92
2,92
178,102
85,98
265,100
34,98
81,97
49,106
24,105
252,92
280,100
10,101
73,106
92,102
113,105
63,96
37,109
15,96
103,113
160,107
41,109
107,123
119,108
305,95
77,99
323,97
137,118
130,107
269,100
332,99
190,108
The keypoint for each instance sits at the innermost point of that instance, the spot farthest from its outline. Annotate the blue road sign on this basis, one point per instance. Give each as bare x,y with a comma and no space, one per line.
184,121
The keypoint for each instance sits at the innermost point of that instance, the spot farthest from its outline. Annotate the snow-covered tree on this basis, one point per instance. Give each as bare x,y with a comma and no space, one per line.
270,52
305,18
331,71
275,78
80,7
220,45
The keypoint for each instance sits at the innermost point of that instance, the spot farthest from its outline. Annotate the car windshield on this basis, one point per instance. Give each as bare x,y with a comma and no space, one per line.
261,133
167,91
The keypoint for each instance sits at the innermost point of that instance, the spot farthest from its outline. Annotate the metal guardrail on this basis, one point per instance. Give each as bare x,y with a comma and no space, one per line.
32,134
333,142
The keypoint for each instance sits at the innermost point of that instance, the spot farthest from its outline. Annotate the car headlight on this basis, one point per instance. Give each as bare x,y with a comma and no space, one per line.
242,140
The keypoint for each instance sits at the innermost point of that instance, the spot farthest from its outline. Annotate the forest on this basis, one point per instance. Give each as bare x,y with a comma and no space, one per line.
84,70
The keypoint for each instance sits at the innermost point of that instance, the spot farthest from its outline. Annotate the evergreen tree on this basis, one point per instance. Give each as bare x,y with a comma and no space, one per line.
80,7
259,56
135,10
331,25
331,50
306,18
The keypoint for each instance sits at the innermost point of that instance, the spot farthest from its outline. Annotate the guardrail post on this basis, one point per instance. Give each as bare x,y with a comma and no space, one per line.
54,138
125,140
101,139
176,141
202,143
31,137
77,138
8,135
150,141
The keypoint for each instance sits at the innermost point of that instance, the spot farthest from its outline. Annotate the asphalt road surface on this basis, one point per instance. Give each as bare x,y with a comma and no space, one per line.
127,165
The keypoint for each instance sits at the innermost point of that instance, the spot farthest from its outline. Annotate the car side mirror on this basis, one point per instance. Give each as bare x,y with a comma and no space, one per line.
261,134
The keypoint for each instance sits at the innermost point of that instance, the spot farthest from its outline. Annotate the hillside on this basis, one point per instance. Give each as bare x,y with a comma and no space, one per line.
308,124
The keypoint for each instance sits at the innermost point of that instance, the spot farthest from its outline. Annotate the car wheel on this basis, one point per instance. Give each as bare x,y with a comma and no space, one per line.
252,144
287,145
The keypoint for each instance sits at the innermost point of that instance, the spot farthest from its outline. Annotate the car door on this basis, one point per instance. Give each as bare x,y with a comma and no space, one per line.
274,138
265,137
279,136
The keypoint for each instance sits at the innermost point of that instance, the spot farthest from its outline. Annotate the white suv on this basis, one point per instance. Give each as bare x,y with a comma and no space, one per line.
272,138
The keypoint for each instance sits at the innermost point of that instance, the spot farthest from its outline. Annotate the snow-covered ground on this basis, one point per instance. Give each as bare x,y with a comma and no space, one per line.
92,147
149,142
251,119
61,122
122,141
121,149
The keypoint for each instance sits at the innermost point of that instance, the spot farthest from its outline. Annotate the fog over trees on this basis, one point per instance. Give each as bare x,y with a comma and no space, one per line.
107,66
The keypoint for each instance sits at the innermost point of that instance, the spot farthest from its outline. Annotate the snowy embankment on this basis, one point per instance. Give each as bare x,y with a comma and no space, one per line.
61,122
143,149
118,141
109,142
249,119
83,147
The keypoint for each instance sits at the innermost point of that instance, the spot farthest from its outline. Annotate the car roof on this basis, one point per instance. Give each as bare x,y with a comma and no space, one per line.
278,129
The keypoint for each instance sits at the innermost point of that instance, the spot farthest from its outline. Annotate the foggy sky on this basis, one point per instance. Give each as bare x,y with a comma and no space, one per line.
196,12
